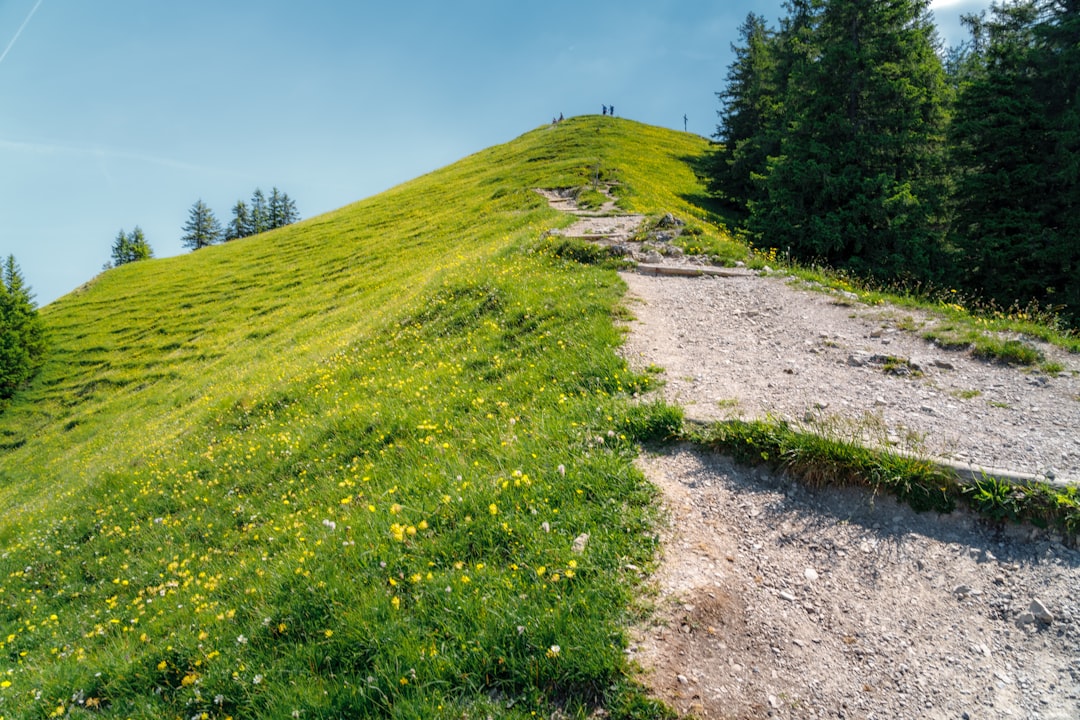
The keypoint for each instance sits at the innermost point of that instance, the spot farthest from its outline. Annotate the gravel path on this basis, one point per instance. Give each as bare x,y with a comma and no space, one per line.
779,601
774,600
756,346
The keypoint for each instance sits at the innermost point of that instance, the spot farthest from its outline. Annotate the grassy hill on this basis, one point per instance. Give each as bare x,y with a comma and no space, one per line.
377,463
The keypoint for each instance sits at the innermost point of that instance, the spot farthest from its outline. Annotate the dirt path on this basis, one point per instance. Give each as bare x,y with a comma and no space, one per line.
777,601
773,600
757,346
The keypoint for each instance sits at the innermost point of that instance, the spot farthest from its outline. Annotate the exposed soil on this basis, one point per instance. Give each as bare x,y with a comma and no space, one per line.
758,346
777,600
774,600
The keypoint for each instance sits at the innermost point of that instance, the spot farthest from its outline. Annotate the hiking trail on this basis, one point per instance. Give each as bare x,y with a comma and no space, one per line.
778,600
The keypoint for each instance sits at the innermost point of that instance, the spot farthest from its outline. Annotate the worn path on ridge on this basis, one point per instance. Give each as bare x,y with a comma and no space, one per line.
775,600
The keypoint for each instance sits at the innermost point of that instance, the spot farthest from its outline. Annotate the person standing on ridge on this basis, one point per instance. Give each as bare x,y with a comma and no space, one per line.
605,109
611,110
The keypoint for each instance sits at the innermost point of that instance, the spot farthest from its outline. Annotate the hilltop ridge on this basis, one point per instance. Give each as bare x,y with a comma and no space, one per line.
344,467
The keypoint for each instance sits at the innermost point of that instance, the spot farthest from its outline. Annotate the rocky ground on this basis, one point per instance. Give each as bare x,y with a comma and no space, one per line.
776,600
779,601
755,346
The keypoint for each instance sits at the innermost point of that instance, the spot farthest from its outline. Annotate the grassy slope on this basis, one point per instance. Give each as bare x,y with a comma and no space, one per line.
339,467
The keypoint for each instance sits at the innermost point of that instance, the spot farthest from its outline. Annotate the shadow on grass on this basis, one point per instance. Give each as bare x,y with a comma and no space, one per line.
715,210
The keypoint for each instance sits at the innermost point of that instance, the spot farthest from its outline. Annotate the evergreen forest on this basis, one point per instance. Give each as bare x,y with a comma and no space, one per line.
849,137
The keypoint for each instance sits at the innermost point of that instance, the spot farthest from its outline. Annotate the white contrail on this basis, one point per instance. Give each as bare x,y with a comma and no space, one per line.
19,31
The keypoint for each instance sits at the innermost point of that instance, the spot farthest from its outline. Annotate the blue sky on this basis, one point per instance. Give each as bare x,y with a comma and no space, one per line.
116,113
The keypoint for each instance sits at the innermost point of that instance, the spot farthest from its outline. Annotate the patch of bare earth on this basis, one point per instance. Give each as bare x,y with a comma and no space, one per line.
776,600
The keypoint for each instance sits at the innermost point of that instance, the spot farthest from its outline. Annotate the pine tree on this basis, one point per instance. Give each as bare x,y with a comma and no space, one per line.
202,227
140,248
260,214
240,225
1057,61
119,250
1016,147
747,130
130,248
22,333
859,178
275,209
281,209
287,211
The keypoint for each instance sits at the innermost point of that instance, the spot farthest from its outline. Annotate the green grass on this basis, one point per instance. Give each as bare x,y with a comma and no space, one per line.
339,469
821,459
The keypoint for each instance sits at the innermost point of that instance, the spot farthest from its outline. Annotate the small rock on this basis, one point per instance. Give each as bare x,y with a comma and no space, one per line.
810,574
1040,613
858,359
682,679
962,590
580,542
1025,618
944,365
784,595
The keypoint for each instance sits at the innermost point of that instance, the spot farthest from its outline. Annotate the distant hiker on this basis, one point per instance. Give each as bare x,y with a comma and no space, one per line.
553,120
605,109
684,119
560,117
611,110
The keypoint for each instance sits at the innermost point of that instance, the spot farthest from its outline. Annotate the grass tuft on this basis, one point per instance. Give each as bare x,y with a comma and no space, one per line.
820,460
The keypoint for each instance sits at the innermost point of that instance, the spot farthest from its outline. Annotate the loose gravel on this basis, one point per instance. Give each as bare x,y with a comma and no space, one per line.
776,600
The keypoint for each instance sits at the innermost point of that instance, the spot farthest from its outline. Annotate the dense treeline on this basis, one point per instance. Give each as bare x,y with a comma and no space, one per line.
847,139
22,333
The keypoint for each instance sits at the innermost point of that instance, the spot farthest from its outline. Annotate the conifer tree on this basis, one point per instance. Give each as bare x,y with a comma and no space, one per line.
130,248
240,225
260,213
748,130
202,227
1016,147
281,209
858,180
22,333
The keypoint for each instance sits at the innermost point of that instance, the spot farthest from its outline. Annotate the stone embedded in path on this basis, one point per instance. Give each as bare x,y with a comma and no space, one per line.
1040,613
